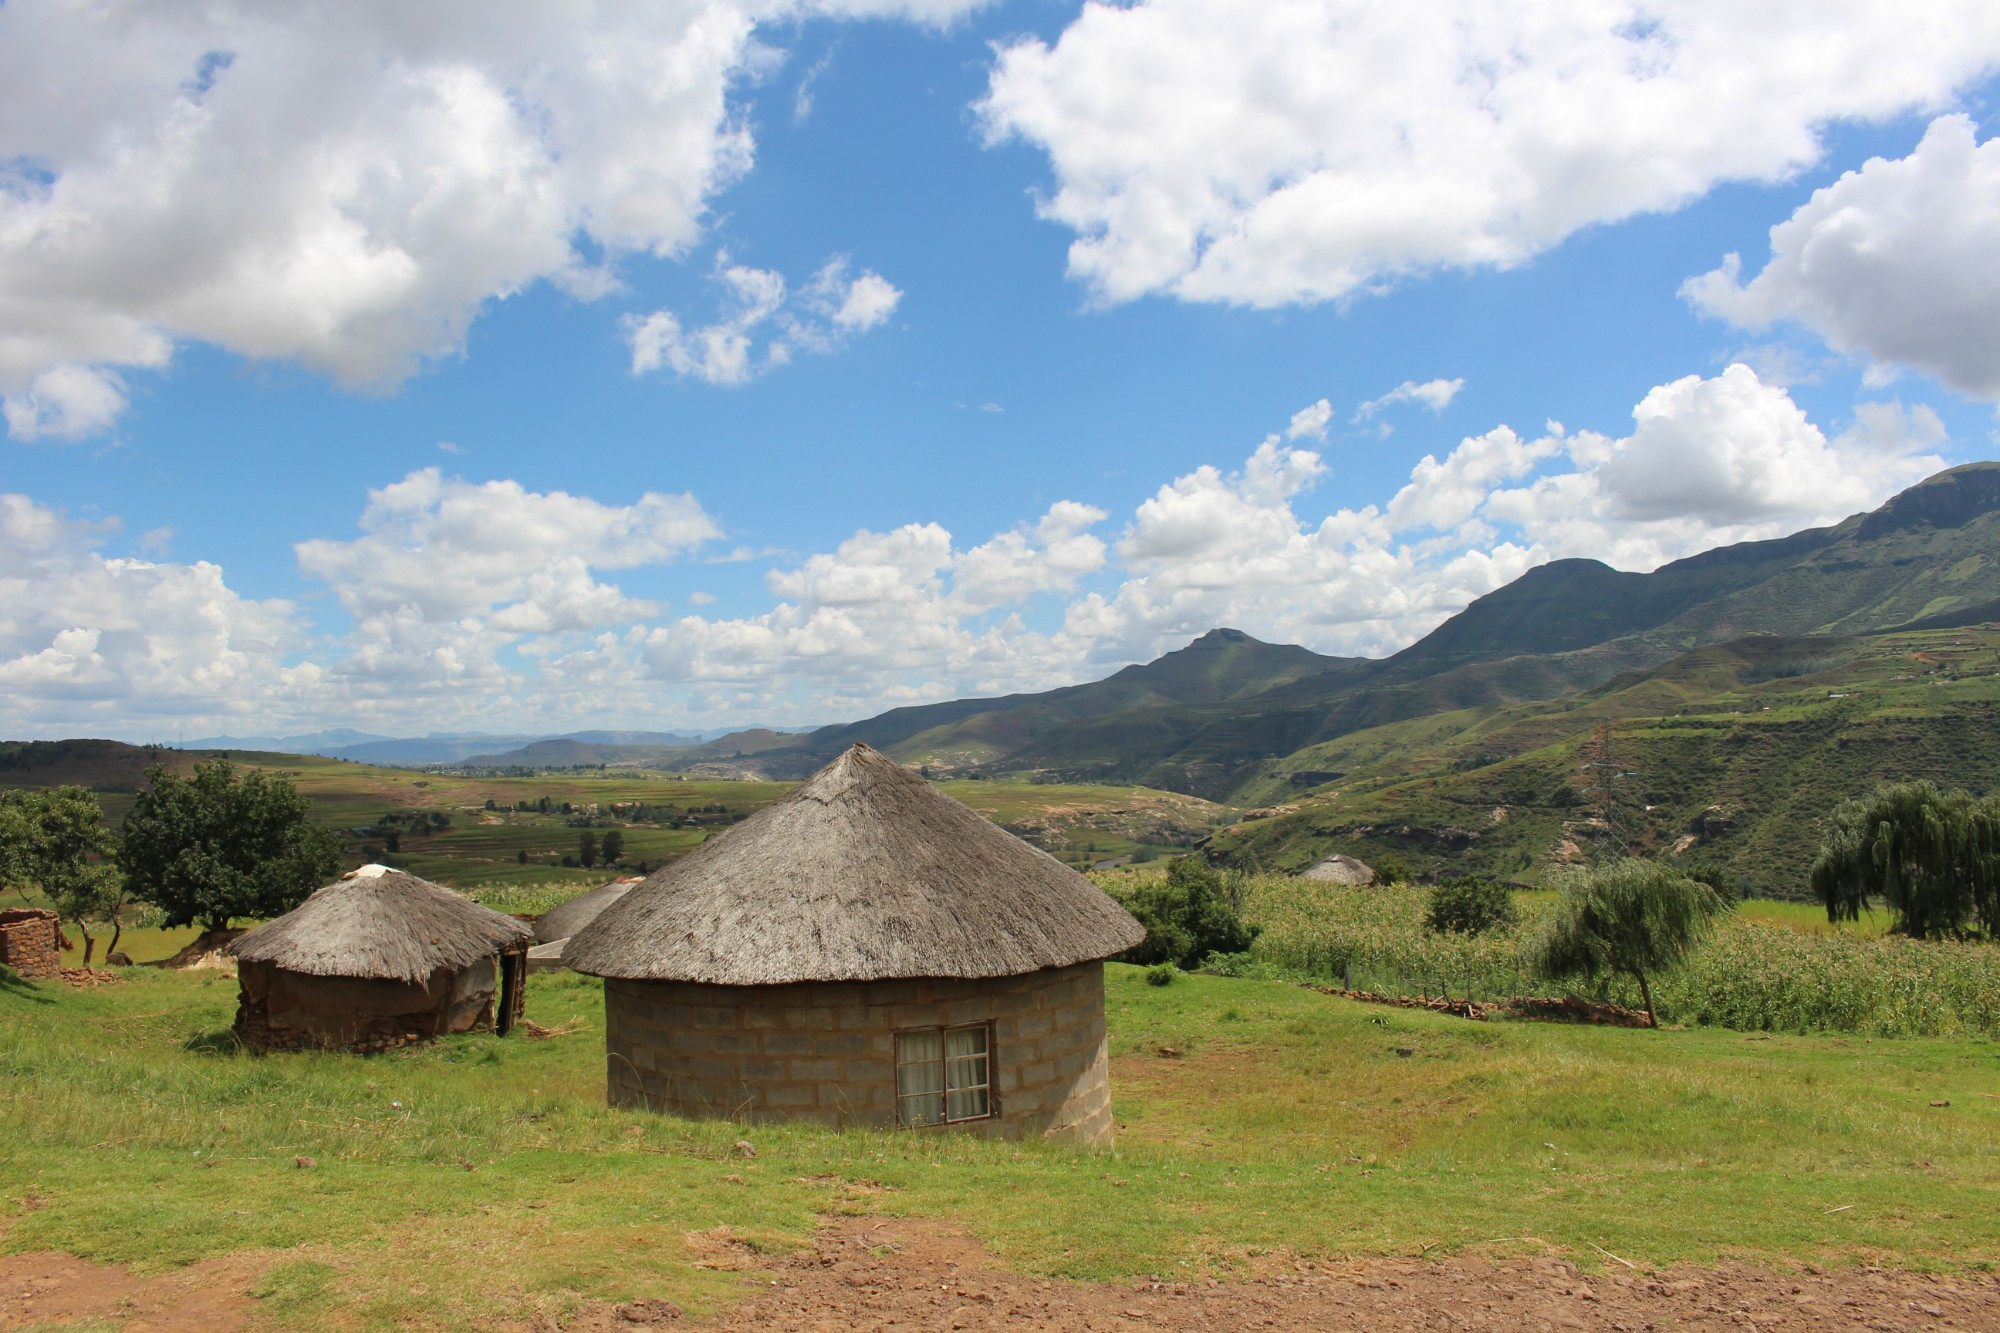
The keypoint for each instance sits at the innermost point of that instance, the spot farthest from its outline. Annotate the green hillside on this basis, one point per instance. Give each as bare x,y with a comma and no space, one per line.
1730,754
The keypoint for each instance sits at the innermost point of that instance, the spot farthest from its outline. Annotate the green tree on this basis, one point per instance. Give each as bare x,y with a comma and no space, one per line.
56,840
1631,916
1392,869
1931,855
614,847
1194,911
215,845
586,849
1469,906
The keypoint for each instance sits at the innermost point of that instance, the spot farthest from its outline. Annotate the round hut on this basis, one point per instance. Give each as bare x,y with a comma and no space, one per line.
554,927
865,951
1341,869
376,959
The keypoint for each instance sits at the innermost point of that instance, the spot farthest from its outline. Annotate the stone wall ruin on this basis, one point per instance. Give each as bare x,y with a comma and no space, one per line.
31,942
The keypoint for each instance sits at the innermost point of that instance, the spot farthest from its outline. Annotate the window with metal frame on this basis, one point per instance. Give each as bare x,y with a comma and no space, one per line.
944,1075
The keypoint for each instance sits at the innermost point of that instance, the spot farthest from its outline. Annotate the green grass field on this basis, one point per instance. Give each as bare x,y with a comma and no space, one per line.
483,1179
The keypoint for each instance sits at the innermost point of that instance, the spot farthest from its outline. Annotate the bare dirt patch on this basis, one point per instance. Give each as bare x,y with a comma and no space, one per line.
875,1274
56,1291
872,1274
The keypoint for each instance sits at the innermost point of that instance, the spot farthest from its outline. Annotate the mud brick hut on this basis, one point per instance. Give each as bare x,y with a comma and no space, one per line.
865,951
31,942
377,959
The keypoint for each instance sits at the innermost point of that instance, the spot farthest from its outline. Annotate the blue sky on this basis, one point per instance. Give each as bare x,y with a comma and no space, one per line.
362,370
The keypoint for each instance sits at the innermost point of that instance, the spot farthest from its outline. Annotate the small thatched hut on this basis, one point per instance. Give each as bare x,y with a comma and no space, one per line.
376,959
554,927
566,919
865,951
1340,869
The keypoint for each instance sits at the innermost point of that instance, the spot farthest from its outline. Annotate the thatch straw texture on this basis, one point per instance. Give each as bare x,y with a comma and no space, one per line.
378,924
863,872
566,919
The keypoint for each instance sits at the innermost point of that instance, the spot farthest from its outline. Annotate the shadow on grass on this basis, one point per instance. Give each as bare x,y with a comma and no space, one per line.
220,1041
13,983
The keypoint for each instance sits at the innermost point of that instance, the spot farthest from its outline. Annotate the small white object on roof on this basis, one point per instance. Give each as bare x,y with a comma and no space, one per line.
369,871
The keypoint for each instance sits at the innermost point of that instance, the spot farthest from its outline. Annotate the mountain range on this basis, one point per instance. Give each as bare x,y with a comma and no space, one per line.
1210,717
1836,634
1751,686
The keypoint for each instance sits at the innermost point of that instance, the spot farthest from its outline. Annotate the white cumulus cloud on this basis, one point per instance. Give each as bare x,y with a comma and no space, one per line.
1312,150
1434,394
447,573
85,637
1310,421
1898,261
346,186
758,304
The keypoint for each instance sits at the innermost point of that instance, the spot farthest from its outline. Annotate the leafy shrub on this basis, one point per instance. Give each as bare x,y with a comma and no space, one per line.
1194,911
1470,906
1730,888
1164,974
1392,869
1789,668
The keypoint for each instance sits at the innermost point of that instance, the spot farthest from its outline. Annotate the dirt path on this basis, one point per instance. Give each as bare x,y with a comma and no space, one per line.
869,1275
56,1291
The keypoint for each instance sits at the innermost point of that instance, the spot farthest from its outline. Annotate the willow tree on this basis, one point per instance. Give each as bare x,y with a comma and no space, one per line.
1635,917
1930,855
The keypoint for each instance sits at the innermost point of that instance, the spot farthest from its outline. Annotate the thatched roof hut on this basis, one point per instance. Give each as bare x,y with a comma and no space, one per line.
1340,869
566,919
377,958
853,944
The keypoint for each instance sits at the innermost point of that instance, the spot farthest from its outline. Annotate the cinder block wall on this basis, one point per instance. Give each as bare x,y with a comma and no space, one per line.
827,1053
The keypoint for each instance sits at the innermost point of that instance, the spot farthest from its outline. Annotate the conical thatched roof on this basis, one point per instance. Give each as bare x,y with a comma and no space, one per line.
862,872
379,924
1341,869
564,920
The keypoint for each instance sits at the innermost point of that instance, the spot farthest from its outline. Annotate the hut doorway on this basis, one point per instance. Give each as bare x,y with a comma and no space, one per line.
512,964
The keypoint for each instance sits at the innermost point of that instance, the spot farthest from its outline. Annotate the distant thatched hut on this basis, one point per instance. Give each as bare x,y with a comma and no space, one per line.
1340,869
865,951
554,927
378,958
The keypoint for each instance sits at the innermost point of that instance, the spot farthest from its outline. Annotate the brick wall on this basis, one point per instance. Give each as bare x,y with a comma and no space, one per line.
30,941
826,1052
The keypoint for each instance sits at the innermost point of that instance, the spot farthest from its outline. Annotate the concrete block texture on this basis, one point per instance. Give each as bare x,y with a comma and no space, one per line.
826,1052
